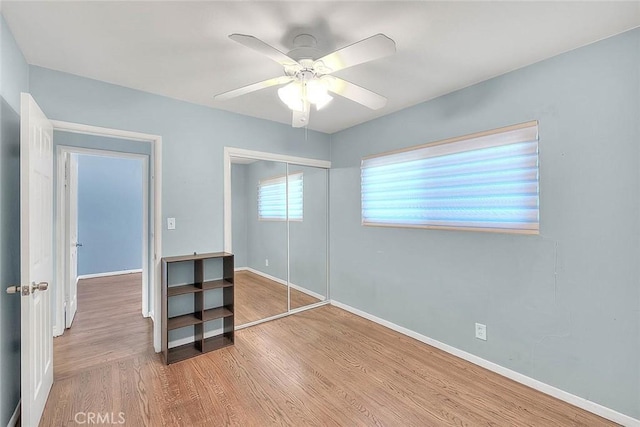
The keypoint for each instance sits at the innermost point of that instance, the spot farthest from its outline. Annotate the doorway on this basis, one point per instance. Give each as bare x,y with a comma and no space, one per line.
105,204
119,142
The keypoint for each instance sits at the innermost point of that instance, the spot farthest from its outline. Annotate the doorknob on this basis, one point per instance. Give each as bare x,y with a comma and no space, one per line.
78,245
27,289
42,286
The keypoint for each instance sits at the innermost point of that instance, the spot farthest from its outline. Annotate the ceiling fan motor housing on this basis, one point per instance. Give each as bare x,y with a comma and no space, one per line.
304,47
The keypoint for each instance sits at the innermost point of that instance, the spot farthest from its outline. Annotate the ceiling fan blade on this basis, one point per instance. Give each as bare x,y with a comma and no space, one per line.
265,49
374,47
301,118
252,88
356,93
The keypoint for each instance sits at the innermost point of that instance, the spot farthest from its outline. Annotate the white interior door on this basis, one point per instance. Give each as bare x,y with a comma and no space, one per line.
72,226
36,257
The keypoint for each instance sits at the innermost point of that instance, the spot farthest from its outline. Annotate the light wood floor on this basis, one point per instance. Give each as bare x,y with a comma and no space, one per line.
257,297
108,325
323,367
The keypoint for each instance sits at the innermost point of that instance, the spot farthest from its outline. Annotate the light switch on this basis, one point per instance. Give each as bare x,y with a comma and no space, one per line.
171,223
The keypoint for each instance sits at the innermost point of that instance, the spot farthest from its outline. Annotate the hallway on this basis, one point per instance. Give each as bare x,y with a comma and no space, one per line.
108,326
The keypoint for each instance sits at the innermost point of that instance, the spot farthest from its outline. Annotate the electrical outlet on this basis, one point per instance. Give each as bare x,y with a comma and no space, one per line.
266,263
481,331
171,223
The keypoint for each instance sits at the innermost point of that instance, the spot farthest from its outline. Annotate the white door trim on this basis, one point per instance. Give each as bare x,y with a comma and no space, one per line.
154,193
71,223
241,153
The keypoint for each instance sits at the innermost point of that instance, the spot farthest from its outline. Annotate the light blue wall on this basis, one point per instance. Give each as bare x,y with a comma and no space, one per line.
14,78
562,307
193,141
109,214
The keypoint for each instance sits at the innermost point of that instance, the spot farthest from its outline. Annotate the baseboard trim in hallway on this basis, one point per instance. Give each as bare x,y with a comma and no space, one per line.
550,390
108,273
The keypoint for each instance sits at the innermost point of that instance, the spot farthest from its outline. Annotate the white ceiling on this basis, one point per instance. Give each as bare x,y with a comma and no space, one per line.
180,49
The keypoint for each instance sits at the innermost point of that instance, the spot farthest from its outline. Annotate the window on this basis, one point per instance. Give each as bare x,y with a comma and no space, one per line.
272,200
486,181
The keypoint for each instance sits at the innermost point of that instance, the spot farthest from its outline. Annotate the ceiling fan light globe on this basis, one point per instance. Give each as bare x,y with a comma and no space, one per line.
316,90
291,95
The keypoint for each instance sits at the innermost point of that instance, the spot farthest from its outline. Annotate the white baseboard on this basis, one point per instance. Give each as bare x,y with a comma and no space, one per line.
265,275
56,331
578,401
283,282
308,292
13,421
109,273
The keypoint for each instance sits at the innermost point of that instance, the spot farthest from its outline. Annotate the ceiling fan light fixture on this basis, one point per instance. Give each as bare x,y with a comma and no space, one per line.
298,95
317,92
292,96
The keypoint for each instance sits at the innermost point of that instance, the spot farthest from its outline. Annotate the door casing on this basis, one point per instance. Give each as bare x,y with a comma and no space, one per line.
71,207
152,213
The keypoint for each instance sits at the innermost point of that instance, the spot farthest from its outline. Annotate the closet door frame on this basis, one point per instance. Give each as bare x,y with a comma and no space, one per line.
240,153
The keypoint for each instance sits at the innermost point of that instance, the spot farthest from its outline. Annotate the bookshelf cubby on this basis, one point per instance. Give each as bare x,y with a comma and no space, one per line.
201,312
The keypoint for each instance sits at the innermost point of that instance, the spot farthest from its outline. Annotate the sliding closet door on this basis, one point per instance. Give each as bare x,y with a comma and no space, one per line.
259,239
308,235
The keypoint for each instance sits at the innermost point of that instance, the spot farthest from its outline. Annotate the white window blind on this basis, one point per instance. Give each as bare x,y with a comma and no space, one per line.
272,200
486,181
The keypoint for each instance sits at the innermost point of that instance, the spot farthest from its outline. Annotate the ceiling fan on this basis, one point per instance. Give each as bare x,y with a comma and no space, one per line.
308,79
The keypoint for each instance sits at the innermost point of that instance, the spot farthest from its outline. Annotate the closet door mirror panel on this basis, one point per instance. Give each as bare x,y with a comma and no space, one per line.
259,233
308,240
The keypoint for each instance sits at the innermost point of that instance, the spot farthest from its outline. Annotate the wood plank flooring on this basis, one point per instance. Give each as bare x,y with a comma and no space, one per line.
108,325
257,297
322,367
